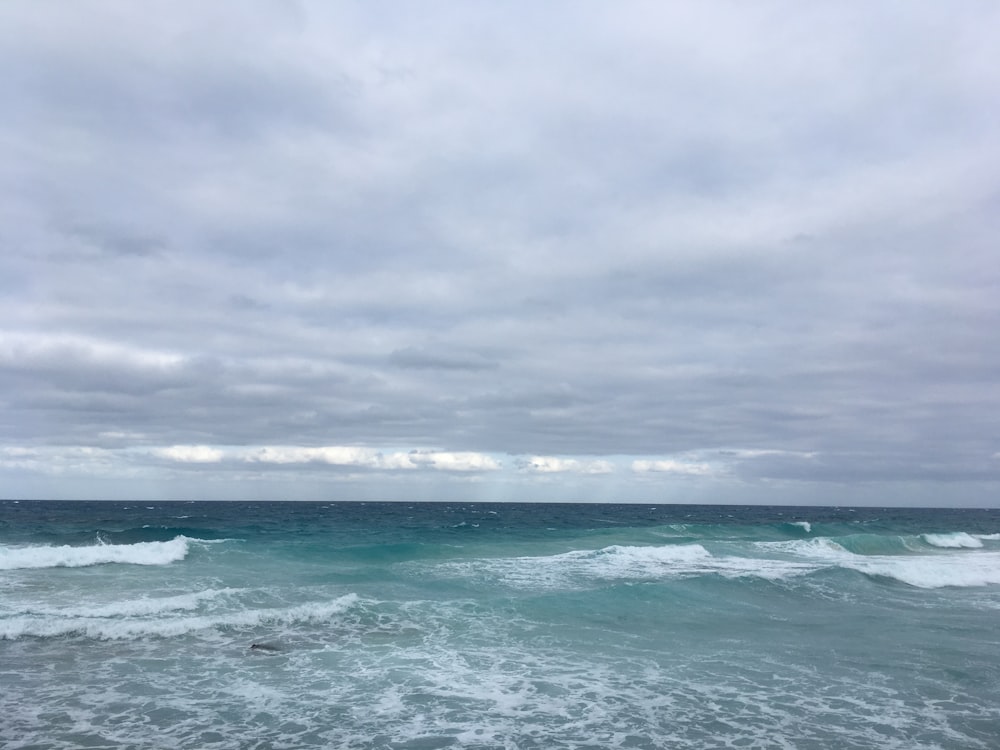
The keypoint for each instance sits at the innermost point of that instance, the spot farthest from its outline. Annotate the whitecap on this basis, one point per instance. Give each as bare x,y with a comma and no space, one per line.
626,563
938,571
66,556
927,571
957,539
128,628
822,549
139,607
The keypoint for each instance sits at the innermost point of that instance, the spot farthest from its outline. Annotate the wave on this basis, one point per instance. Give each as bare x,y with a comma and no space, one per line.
897,558
103,625
958,571
66,556
686,561
621,563
954,540
141,607
867,545
927,571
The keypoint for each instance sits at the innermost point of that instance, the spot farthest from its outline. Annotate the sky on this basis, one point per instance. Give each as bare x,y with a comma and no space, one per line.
573,251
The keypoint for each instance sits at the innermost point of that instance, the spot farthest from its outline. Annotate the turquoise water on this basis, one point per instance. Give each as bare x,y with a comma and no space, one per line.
126,625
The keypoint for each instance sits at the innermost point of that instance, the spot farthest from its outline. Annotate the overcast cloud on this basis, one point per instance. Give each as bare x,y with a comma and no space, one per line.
705,252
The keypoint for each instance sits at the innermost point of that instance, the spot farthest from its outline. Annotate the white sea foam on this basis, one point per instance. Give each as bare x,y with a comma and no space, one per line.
805,525
628,560
939,571
615,562
936,570
685,560
126,628
779,561
65,556
956,539
140,607
626,563
988,537
821,549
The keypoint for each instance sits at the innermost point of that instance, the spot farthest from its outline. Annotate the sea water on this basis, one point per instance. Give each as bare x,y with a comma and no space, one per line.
389,625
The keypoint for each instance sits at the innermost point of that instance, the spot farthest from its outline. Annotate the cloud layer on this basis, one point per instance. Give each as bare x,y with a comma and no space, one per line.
517,251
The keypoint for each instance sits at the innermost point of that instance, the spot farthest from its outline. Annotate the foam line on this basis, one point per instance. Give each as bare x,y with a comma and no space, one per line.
132,628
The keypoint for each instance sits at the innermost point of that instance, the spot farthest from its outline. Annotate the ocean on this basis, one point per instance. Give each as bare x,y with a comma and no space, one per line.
448,625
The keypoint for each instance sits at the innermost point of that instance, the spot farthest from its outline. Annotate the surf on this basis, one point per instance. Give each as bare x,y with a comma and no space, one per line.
133,620
67,556
956,539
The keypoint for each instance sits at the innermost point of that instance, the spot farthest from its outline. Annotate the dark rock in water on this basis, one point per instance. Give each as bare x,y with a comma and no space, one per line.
266,647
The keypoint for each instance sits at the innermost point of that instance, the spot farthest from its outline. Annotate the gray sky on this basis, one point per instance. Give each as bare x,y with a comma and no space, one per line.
671,252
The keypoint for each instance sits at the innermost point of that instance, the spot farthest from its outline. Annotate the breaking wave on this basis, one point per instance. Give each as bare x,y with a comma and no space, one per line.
927,571
66,556
954,540
145,618
621,563
896,559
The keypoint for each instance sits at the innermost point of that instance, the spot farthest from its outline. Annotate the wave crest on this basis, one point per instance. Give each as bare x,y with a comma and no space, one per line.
927,571
954,540
66,556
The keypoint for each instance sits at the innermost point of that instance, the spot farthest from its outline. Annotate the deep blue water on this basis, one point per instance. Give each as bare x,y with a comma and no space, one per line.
394,625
